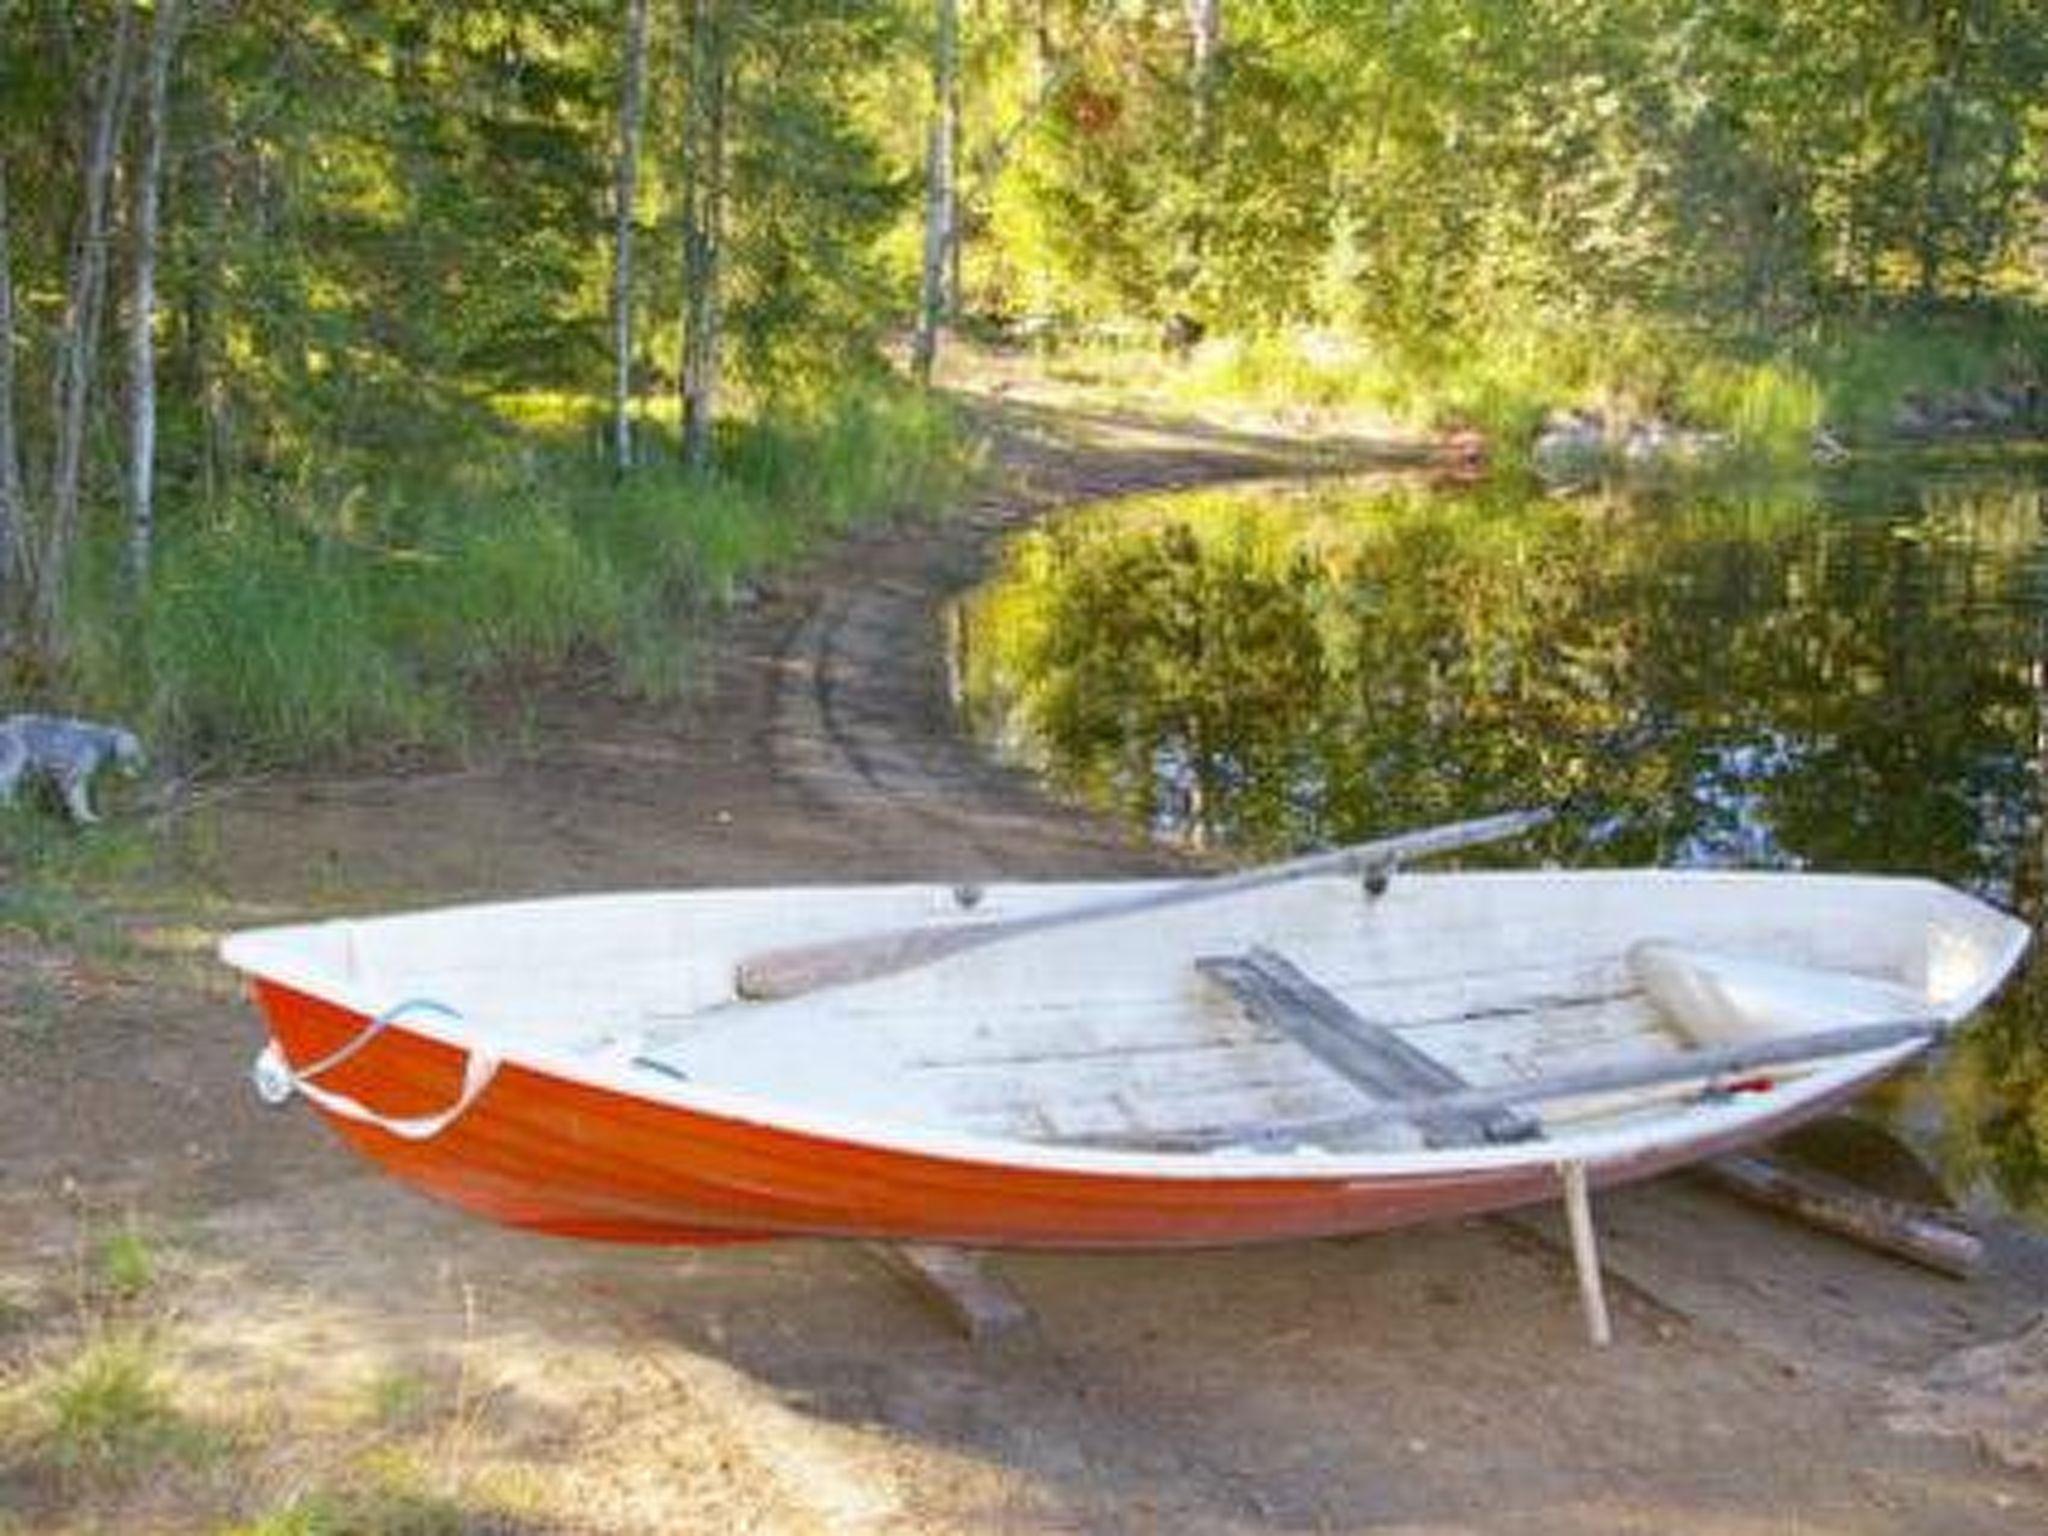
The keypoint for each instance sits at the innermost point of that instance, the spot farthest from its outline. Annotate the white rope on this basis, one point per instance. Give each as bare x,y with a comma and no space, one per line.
276,1080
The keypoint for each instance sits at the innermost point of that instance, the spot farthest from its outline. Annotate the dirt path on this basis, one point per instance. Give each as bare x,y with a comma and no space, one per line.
339,1348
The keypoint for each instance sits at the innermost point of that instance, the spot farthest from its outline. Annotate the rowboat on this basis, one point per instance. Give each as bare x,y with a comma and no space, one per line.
1310,1051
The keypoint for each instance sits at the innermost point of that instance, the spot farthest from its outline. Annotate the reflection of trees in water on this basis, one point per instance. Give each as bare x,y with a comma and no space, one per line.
1757,681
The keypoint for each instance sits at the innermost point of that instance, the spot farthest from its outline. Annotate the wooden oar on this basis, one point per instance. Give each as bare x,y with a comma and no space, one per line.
794,971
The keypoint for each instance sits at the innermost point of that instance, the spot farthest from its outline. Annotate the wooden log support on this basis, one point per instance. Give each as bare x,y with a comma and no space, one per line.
1578,1212
1835,1205
955,1281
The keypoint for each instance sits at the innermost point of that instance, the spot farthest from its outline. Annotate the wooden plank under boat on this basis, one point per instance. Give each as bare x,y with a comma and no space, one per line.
1299,1059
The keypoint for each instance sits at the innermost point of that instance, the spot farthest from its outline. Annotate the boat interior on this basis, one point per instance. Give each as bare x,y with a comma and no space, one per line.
1314,1013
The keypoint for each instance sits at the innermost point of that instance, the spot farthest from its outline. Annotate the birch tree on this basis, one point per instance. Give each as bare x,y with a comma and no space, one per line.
939,189
12,512
703,220
78,337
142,319
1205,27
625,203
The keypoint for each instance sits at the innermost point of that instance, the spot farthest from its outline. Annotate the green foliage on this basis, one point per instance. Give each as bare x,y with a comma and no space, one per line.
869,451
399,1400
1772,409
358,625
392,1492
1629,370
373,1511
1995,1092
108,1413
521,589
1871,367
126,1263
812,194
36,901
1768,394
262,645
1439,168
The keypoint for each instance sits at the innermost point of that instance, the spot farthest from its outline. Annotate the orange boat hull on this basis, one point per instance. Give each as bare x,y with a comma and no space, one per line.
569,1158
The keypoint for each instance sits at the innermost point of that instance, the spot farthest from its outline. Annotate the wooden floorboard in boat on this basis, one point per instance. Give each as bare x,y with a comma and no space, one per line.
1506,1037
1502,1046
1419,1000
1106,1091
1159,1078
1118,1114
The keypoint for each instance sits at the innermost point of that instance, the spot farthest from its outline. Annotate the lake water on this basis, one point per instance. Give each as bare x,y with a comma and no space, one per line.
1849,673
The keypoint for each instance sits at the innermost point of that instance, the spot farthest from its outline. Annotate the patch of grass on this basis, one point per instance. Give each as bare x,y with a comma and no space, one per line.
391,1493
399,1399
108,1413
1771,409
125,1263
264,646
521,590
1869,369
340,620
53,915
375,1511
34,1010
35,844
1768,394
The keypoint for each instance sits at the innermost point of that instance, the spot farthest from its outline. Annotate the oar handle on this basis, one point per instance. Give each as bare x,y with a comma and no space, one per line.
798,969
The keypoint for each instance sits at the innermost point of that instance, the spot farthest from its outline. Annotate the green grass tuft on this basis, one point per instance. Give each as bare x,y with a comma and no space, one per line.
108,1413
380,1511
125,1263
1771,409
517,590
262,646
399,1400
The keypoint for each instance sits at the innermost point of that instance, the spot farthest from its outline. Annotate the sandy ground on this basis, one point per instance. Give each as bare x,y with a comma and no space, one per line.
330,1348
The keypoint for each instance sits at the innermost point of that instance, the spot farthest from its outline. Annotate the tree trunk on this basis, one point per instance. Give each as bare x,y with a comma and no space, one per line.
1205,29
1951,45
1042,77
12,512
632,92
955,229
78,339
163,42
205,349
1205,25
703,218
938,192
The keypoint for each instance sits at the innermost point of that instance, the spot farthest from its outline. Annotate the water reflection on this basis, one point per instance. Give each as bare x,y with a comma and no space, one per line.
1849,680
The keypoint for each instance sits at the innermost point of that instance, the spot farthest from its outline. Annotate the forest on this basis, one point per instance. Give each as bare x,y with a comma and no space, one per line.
355,353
